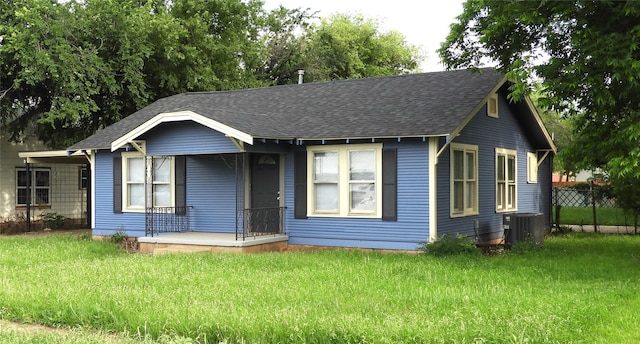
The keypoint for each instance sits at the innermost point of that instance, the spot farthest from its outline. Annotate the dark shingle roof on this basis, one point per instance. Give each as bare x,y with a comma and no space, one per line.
412,105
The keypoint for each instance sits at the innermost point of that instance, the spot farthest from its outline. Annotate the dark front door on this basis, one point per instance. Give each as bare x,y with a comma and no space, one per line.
265,193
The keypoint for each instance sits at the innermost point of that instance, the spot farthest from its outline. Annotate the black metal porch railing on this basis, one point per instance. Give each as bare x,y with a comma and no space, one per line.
255,222
167,220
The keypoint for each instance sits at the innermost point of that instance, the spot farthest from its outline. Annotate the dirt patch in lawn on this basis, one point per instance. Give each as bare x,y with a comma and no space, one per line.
73,335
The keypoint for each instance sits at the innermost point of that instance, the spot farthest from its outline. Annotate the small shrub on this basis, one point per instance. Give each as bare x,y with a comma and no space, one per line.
448,245
119,237
52,220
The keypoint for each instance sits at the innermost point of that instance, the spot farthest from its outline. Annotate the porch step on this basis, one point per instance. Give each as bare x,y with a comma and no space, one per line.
168,250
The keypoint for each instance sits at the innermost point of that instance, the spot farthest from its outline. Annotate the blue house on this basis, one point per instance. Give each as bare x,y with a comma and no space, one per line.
380,163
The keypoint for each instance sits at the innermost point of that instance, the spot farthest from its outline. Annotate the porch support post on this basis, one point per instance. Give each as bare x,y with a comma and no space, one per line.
89,195
433,189
236,180
28,168
148,195
239,179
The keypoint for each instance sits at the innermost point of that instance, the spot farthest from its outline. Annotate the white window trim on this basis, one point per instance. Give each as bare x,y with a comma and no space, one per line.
474,209
147,178
171,183
507,153
343,181
532,168
32,185
125,183
492,102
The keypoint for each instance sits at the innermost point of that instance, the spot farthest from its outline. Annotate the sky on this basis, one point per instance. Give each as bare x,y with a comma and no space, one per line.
424,23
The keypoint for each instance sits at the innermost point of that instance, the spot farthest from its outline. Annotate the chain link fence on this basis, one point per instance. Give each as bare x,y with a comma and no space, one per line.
584,195
590,204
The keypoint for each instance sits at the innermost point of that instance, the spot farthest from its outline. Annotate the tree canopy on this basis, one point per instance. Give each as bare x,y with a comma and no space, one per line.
344,47
587,56
338,47
69,68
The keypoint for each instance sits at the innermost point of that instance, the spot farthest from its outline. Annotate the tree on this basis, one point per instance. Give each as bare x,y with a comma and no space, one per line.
221,42
73,67
586,53
69,68
345,47
284,44
561,129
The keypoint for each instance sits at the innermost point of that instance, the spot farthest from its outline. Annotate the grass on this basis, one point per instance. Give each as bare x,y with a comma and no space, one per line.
584,216
578,288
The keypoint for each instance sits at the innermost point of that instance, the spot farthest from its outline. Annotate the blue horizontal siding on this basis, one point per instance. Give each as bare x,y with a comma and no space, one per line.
406,233
106,221
488,134
186,138
211,190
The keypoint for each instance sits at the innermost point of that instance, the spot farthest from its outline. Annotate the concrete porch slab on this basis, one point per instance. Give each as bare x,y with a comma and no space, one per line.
211,242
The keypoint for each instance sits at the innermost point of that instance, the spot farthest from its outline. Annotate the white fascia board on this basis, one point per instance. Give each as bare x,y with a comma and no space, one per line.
178,117
48,154
53,157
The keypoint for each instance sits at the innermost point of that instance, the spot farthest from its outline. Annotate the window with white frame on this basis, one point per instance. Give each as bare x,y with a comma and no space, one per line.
162,182
134,175
464,179
83,177
532,167
506,180
345,180
39,180
492,106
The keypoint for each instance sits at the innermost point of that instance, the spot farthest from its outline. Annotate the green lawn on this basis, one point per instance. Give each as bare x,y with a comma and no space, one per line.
584,216
577,289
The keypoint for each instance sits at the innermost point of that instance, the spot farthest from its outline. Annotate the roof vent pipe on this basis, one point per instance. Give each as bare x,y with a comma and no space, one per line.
300,76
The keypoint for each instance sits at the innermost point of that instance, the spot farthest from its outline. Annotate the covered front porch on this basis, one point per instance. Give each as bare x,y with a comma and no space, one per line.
231,203
169,229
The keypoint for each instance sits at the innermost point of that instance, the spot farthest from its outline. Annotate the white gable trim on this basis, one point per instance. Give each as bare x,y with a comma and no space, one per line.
177,117
538,119
452,135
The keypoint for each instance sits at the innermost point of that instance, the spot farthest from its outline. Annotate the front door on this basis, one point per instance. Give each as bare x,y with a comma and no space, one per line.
265,193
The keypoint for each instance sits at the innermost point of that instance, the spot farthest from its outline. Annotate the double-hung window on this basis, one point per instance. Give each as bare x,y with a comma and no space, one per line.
532,167
40,182
83,177
162,195
345,180
464,180
506,180
138,171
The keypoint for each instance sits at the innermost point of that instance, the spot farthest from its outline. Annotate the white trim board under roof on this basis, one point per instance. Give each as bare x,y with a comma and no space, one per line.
55,157
178,117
